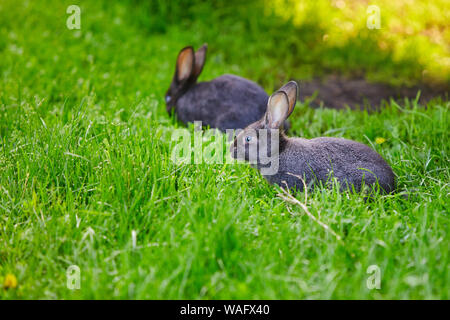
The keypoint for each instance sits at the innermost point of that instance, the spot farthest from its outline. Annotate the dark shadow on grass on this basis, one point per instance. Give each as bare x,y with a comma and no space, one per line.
357,93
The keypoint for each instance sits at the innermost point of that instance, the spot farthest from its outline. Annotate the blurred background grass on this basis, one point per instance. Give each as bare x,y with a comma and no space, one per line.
266,40
305,39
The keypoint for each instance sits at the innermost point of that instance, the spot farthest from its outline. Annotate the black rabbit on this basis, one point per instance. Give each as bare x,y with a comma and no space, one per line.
317,160
227,102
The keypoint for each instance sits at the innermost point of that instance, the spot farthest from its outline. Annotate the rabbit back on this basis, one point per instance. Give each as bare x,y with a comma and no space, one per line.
227,102
350,162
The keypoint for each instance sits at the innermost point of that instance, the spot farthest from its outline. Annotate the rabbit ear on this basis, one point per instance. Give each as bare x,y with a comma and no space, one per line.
277,109
200,57
185,63
291,90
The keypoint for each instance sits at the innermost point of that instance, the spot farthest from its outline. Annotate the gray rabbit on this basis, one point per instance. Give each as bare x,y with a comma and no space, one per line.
227,102
314,161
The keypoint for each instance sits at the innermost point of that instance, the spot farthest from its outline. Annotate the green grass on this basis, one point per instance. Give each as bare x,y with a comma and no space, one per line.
85,160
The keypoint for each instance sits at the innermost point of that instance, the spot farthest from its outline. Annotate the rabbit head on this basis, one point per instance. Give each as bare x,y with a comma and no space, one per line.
262,141
188,68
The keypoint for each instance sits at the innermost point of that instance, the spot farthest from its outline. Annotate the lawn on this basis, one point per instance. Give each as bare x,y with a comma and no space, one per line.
86,177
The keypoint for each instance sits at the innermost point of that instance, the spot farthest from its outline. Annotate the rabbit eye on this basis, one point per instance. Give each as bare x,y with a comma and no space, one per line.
168,99
248,138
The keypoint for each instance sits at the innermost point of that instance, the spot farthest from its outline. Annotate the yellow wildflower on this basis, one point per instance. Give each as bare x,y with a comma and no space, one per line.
379,140
10,281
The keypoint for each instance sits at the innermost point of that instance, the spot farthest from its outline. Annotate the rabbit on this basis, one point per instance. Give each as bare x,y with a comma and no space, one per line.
226,102
314,161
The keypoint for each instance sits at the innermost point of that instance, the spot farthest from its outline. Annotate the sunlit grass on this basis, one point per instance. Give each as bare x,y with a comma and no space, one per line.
411,30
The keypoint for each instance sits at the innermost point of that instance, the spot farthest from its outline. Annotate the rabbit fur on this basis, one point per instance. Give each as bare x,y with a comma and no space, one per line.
315,161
